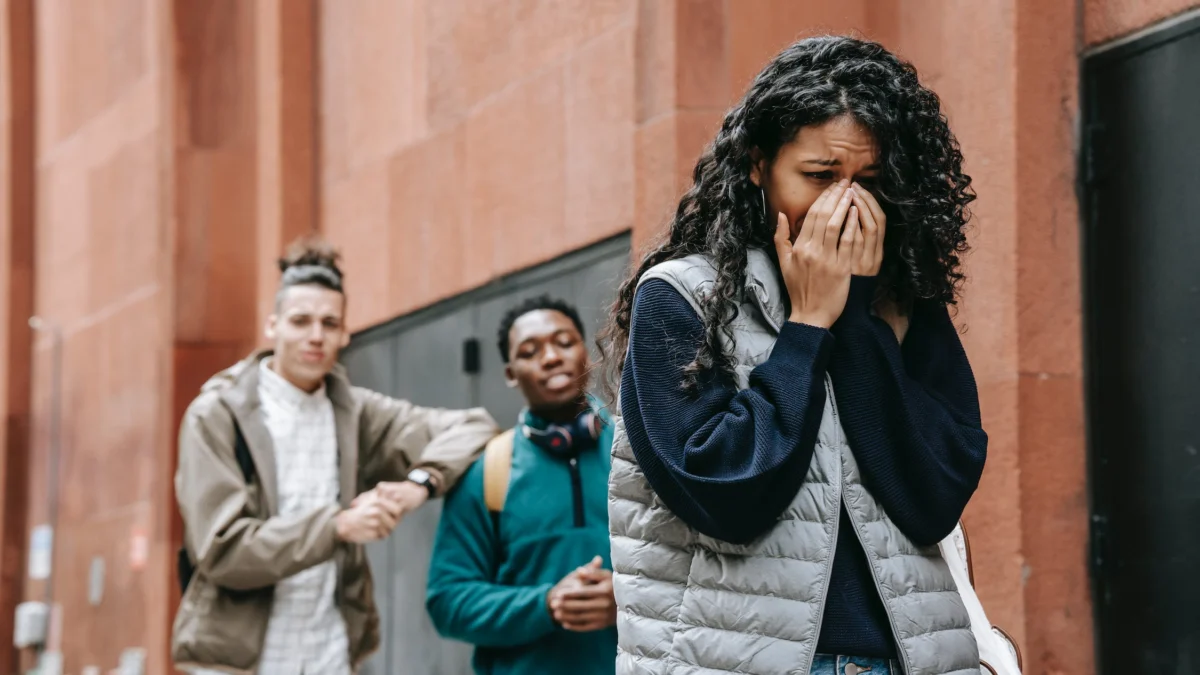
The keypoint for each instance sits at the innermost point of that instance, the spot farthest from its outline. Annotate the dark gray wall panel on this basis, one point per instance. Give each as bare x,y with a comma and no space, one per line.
371,367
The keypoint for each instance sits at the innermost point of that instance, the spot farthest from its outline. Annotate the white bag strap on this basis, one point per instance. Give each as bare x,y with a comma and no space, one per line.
998,654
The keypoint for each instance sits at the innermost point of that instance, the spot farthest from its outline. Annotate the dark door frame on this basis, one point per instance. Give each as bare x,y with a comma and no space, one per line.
1091,172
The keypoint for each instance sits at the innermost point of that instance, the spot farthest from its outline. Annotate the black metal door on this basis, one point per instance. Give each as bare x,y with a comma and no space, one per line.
1141,174
427,358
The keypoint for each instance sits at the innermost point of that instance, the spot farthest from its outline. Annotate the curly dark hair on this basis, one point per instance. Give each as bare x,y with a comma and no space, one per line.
532,305
310,261
921,185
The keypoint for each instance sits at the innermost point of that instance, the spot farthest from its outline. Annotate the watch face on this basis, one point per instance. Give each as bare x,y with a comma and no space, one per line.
419,476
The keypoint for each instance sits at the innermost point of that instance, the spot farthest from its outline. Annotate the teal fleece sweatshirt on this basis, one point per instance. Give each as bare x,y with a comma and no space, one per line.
489,577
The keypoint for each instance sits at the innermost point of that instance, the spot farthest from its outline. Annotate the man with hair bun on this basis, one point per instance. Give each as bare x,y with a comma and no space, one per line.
285,471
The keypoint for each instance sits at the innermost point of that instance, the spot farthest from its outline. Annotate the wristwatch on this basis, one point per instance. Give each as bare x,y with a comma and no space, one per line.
424,479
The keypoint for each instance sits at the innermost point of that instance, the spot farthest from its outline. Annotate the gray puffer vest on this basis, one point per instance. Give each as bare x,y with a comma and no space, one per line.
689,603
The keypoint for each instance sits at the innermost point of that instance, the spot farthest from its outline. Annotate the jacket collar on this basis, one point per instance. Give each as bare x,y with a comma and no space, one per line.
238,389
278,388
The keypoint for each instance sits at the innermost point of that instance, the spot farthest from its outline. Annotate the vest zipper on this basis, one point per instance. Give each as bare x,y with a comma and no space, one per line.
837,522
576,490
905,666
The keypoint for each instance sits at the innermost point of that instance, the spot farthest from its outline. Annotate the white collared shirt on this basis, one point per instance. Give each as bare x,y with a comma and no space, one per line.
306,633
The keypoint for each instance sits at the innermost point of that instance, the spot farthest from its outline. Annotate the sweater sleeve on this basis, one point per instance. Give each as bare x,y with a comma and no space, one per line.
727,462
463,600
911,413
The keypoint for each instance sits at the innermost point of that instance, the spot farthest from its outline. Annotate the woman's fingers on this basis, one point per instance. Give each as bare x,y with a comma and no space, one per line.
814,221
872,205
783,237
848,251
870,226
833,228
880,218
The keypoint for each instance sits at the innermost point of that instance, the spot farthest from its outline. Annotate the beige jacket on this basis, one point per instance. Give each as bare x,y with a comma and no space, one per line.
241,547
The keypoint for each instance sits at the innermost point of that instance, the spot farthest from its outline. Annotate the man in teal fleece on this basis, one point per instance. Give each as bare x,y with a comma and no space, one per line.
529,583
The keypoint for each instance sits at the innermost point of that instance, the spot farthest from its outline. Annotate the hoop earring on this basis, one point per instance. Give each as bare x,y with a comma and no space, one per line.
766,214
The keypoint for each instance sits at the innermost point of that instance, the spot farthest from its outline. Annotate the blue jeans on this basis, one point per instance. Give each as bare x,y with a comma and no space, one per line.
825,664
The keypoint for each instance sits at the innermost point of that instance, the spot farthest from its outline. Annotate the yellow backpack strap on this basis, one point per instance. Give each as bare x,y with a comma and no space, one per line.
497,465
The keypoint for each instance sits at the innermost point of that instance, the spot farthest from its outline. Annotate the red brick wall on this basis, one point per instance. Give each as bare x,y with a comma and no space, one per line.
99,263
1108,19
453,133
16,300
175,153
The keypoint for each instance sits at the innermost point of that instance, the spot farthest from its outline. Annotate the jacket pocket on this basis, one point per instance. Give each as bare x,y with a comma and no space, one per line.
215,627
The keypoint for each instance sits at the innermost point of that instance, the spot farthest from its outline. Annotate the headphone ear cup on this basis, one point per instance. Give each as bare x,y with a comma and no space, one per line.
568,440
588,426
554,439
558,441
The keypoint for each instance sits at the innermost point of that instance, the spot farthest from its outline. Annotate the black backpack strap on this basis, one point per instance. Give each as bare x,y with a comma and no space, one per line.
241,453
185,567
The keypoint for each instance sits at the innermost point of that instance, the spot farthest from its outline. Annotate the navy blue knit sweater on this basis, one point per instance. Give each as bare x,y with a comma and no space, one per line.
728,462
